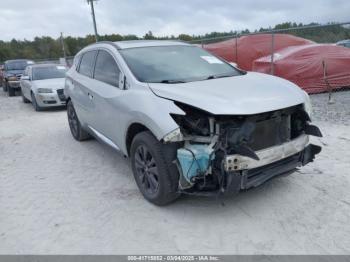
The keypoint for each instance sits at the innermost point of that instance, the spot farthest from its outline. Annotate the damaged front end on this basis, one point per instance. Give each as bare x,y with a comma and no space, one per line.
226,154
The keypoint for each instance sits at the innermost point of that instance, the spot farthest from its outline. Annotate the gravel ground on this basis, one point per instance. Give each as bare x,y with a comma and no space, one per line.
59,196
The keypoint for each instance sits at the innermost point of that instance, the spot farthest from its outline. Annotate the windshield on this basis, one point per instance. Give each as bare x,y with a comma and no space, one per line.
172,64
41,73
17,65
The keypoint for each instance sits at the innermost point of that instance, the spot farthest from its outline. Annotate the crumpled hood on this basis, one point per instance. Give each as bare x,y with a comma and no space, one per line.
55,83
247,94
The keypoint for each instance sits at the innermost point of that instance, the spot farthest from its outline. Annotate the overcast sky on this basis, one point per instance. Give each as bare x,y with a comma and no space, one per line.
29,18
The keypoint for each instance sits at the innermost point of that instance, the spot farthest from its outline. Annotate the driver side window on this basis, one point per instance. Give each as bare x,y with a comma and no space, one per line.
106,69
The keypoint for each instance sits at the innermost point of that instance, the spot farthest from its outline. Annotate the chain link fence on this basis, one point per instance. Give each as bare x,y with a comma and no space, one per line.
282,52
68,61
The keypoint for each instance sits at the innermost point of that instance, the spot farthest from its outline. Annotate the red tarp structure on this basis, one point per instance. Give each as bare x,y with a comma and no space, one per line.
252,47
303,65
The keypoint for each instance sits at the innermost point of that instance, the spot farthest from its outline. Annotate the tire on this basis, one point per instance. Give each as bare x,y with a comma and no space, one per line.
155,173
24,99
76,129
11,91
35,104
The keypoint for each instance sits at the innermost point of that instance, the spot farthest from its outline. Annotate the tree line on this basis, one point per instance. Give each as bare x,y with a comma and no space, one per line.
46,47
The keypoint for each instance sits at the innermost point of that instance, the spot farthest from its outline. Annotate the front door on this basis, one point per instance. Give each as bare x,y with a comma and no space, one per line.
107,97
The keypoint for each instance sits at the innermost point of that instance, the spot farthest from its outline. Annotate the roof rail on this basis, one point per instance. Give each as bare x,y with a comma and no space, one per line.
106,42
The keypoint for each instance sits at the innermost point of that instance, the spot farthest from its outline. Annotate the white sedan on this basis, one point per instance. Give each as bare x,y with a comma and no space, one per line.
42,85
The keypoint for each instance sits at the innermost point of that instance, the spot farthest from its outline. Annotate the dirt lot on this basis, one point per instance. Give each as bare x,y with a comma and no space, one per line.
59,196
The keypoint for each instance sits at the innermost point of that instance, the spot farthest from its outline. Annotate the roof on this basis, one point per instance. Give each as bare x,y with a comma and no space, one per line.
343,41
18,60
134,44
146,43
45,65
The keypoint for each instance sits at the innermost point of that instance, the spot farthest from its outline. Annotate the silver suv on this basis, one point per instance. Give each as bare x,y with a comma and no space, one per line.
190,122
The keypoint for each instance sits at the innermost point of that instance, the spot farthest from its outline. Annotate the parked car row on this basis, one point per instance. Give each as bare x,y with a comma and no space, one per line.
40,84
190,122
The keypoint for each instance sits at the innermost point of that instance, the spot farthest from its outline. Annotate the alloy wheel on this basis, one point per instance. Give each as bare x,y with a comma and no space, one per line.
146,169
73,121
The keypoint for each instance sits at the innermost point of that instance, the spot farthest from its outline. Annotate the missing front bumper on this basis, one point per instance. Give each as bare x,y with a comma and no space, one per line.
266,156
242,180
236,181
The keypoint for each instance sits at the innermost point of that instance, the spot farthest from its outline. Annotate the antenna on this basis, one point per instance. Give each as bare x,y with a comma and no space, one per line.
91,3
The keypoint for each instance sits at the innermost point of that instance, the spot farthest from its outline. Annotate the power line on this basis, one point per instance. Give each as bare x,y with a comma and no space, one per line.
91,3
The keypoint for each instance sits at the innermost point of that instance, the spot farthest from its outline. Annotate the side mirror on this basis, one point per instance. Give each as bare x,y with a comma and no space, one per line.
122,81
25,78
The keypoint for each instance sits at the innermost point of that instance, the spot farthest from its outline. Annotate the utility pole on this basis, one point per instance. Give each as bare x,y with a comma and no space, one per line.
64,59
91,3
63,48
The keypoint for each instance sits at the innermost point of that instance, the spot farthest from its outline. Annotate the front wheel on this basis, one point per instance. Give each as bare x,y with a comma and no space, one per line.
24,99
74,124
35,103
155,173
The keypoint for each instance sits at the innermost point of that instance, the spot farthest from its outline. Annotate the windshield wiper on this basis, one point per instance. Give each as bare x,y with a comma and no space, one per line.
217,76
167,81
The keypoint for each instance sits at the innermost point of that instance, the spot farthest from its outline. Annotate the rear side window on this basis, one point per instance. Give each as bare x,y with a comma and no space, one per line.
87,63
106,69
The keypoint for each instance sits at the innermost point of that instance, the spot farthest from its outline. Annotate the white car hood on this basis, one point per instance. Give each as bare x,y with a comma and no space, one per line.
54,83
247,94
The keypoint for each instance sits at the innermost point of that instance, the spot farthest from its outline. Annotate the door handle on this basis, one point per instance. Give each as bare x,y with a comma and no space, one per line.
90,96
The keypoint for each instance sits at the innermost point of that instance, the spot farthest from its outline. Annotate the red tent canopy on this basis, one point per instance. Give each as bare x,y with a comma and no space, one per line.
252,47
303,65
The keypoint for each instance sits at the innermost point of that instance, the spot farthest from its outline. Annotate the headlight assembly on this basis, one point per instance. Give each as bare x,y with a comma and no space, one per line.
44,90
173,136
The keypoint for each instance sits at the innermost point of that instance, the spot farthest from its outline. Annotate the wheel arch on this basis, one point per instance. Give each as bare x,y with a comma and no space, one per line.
134,129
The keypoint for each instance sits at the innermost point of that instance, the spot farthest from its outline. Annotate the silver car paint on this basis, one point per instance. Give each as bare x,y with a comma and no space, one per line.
239,95
135,105
111,111
28,86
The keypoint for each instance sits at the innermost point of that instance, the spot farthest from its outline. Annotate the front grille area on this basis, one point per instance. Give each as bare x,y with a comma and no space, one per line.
49,102
61,95
266,129
270,132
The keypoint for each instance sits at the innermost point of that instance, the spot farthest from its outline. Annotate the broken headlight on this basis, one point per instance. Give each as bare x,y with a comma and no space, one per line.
195,122
173,136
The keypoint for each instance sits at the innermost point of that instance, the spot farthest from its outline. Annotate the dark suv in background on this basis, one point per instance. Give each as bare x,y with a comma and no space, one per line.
13,70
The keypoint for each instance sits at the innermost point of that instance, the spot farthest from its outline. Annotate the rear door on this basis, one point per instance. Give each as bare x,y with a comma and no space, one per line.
82,82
